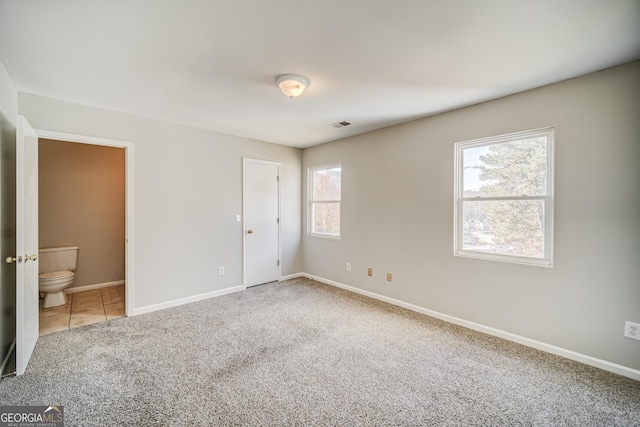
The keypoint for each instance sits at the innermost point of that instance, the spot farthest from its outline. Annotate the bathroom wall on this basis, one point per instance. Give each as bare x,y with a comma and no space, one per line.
8,116
82,203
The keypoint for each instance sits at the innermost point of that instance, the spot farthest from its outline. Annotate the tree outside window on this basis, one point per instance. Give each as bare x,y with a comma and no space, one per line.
324,200
504,198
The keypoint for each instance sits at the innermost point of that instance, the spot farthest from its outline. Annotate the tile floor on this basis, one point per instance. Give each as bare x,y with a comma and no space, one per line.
83,308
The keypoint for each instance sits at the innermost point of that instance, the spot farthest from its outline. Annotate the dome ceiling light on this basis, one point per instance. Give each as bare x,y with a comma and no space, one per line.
292,85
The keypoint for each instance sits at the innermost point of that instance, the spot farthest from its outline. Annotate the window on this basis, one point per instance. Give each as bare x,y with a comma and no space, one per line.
324,201
504,198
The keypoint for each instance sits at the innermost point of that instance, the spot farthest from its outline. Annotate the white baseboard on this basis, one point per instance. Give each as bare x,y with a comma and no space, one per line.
7,357
200,297
292,276
94,286
187,300
558,351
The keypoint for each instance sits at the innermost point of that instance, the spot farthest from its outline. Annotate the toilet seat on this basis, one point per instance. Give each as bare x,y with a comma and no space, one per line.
54,276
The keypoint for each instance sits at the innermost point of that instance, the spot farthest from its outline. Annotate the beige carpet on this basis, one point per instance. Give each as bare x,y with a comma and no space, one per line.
303,353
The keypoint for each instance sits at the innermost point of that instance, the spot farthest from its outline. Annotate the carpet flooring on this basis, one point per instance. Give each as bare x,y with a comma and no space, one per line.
300,353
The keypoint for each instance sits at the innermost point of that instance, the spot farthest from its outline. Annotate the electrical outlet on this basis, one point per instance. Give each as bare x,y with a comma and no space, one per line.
348,266
632,330
221,271
370,272
389,277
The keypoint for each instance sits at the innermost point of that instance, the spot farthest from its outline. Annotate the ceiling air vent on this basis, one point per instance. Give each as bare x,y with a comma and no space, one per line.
340,124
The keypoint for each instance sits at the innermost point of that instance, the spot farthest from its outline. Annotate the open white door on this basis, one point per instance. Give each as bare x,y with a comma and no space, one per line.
261,222
27,296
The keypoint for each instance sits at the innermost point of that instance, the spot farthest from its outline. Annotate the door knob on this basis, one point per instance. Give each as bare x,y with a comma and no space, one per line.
249,231
10,260
30,257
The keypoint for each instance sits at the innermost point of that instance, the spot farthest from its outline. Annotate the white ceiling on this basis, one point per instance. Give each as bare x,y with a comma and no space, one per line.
213,63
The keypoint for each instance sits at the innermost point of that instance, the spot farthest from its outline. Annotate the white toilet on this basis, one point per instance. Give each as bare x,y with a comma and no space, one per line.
56,266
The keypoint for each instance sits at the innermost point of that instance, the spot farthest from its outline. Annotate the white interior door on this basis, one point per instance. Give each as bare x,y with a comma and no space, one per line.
27,296
261,222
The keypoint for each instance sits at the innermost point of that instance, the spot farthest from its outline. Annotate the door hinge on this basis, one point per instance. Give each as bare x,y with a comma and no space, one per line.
277,220
278,262
277,177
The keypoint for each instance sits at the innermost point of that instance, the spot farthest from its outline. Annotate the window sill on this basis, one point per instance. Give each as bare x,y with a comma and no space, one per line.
536,262
324,236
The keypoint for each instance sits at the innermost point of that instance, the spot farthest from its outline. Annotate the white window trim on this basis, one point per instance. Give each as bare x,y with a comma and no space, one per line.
310,202
547,260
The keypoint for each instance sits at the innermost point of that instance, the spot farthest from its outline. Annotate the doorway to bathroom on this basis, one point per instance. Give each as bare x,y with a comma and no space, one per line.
26,309
94,175
82,202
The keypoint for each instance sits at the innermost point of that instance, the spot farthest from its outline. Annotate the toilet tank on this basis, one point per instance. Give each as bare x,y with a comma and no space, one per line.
57,259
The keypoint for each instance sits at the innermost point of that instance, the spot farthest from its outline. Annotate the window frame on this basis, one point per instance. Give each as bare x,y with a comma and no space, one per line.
311,201
548,198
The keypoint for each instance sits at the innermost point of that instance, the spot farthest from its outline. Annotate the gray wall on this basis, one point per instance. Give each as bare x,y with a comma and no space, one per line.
398,211
397,216
187,192
8,116
82,203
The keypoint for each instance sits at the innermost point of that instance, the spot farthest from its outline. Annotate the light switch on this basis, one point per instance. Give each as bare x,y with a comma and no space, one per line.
238,218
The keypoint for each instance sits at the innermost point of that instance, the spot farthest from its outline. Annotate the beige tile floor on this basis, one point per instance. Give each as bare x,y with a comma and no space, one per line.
83,308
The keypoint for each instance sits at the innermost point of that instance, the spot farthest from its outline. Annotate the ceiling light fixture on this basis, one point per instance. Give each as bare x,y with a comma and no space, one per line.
292,85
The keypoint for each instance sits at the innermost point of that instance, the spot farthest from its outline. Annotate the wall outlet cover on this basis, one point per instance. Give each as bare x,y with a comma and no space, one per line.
632,330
